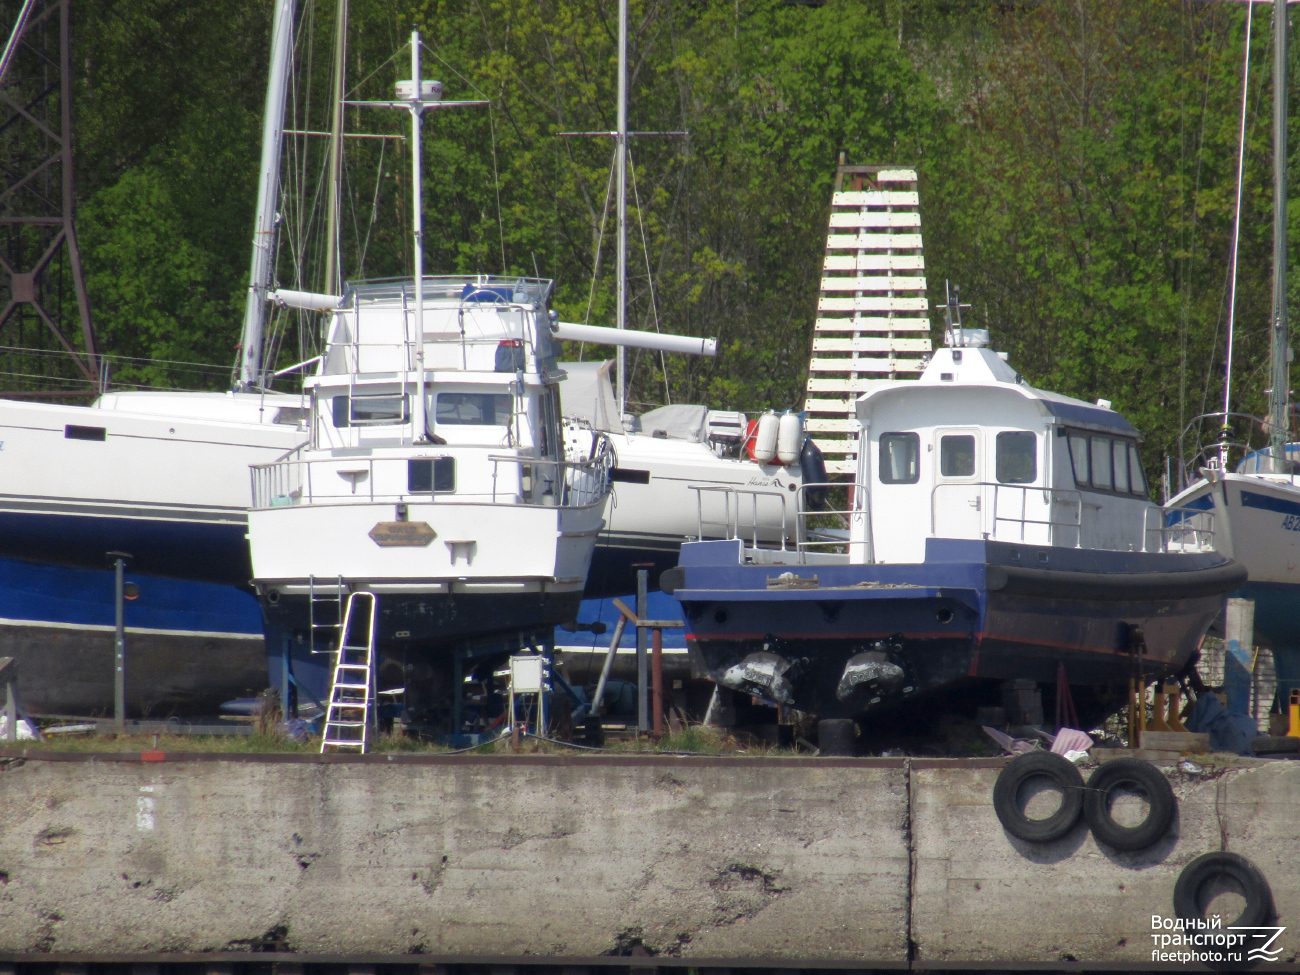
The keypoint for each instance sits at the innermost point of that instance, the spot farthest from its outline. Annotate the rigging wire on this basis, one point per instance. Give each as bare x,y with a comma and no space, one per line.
649,276
496,175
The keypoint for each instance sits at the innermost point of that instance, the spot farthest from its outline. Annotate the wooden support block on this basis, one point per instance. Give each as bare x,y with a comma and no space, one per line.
870,303
1176,741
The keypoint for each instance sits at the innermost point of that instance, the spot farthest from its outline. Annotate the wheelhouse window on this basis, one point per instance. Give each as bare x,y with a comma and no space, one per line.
433,476
900,458
957,456
1109,464
362,411
475,409
1017,457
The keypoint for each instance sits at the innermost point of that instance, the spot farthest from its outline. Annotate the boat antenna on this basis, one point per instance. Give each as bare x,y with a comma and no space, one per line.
417,96
268,192
1279,350
1236,239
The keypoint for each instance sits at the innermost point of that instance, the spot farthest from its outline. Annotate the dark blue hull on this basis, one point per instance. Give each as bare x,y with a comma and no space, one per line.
1277,618
176,544
842,641
422,640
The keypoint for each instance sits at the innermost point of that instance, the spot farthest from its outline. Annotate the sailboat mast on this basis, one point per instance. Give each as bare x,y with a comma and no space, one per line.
420,433
268,193
333,255
1236,242
621,165
1279,346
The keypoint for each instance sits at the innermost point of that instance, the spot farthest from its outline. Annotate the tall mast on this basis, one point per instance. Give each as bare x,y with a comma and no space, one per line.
268,192
621,164
1279,349
417,96
421,433
1236,241
333,254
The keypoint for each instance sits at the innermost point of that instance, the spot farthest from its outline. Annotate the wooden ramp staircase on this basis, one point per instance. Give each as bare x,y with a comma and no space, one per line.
873,321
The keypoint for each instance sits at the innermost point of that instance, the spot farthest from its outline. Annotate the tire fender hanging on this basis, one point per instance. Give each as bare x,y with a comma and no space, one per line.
1188,902
1137,776
1038,765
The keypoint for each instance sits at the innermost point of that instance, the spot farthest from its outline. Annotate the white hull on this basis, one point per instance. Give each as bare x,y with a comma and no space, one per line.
1260,525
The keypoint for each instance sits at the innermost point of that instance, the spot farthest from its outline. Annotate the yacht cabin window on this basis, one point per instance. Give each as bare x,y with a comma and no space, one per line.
432,476
957,456
475,409
360,411
1017,457
1109,464
900,458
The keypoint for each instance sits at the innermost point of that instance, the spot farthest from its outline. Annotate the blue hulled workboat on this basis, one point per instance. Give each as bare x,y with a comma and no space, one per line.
995,531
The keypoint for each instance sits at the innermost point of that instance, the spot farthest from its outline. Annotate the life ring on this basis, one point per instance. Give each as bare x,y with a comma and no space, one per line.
1137,776
1210,866
1006,796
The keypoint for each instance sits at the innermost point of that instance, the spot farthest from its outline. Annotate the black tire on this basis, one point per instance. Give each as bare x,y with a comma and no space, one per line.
1187,891
1137,776
1006,796
835,737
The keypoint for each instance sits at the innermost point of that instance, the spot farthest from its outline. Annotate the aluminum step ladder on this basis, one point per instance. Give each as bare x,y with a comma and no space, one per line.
325,613
351,709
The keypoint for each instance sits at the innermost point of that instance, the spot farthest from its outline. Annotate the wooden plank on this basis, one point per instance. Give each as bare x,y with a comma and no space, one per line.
869,344
873,324
826,384
869,303
863,364
896,176
876,198
875,218
872,282
819,425
874,262
836,407
884,242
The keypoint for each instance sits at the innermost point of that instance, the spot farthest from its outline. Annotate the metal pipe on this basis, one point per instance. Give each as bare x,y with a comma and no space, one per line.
631,338
333,254
15,37
657,678
642,663
599,698
1279,346
420,434
119,643
620,154
268,192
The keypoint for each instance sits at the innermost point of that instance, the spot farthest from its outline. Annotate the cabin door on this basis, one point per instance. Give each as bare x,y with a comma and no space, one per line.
958,499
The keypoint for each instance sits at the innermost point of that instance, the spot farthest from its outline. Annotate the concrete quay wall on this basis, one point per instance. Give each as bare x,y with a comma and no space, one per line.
858,863
464,856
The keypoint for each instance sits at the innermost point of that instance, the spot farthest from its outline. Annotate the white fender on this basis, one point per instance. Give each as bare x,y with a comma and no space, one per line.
765,438
789,439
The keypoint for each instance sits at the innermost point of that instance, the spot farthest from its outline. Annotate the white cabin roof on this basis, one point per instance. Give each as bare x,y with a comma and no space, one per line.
981,367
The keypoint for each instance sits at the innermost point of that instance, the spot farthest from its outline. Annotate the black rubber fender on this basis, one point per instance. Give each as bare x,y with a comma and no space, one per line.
1006,796
1208,866
1136,776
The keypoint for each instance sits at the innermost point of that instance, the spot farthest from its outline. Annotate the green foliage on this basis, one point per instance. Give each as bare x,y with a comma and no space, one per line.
1077,165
